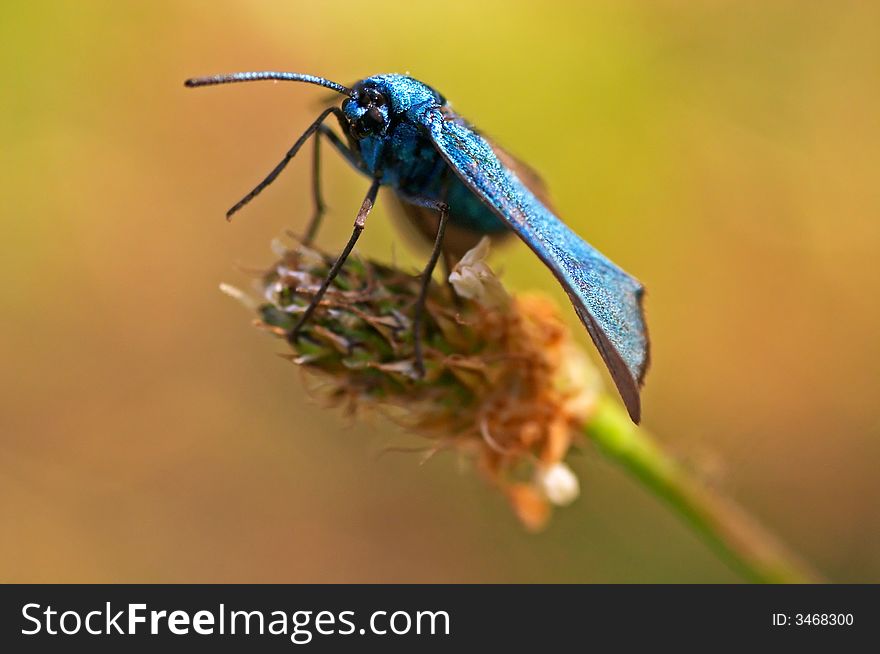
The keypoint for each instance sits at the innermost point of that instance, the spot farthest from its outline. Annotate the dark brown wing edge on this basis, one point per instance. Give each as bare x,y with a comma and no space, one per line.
628,386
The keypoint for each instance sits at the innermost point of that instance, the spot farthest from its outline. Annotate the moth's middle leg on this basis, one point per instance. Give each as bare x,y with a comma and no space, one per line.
419,312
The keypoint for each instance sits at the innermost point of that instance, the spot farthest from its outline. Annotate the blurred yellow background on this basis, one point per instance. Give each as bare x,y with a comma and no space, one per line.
726,153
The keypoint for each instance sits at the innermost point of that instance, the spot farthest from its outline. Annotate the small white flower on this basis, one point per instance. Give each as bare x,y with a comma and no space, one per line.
472,278
558,483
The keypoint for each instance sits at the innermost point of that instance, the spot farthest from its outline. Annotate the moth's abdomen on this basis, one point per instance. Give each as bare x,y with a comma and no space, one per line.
413,167
467,211
469,218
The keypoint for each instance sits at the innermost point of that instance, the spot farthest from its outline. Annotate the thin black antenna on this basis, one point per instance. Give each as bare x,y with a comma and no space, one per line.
267,75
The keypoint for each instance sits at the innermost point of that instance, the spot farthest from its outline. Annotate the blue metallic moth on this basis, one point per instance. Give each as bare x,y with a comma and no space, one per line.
456,186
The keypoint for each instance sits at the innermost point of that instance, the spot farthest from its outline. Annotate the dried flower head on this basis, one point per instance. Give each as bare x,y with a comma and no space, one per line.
504,383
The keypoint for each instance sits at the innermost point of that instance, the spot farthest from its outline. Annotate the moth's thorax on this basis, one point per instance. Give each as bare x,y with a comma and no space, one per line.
378,105
371,150
403,158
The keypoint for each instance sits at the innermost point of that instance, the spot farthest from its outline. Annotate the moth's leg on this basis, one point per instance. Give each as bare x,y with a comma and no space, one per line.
320,207
419,314
341,147
359,223
315,222
448,266
286,160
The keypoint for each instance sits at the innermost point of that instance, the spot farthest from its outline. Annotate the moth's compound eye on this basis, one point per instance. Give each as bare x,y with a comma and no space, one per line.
376,98
370,97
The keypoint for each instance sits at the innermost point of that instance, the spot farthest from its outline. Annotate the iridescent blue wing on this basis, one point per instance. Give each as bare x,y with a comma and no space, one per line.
607,300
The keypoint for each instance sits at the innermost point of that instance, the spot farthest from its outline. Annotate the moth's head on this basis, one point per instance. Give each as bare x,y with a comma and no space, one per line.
367,110
376,100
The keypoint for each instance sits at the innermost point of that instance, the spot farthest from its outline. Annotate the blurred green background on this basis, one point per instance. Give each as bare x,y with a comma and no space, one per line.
726,153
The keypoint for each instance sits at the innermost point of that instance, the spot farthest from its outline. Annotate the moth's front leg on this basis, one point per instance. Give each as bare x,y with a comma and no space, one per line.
359,223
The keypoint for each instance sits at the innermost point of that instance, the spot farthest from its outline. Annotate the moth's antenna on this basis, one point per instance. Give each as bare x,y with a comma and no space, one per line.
270,75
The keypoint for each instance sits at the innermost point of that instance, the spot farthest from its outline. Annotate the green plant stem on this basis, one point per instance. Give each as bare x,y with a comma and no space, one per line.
719,521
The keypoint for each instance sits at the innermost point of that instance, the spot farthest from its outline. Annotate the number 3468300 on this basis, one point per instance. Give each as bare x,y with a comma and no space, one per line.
823,619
